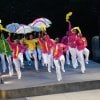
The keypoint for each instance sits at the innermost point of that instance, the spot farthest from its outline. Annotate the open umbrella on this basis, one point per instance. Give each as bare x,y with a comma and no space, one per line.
23,29
12,27
39,26
45,21
37,29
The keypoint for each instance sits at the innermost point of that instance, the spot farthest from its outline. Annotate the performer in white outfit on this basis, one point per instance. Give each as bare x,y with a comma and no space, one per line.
46,44
59,59
80,50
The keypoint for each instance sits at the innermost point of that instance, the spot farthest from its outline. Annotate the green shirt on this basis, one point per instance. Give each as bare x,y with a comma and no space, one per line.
4,46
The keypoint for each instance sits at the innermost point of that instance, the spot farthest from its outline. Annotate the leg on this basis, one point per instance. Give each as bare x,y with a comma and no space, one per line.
73,57
17,67
39,54
49,62
62,61
3,62
52,63
45,59
86,53
21,58
10,66
34,53
67,57
28,57
81,60
58,71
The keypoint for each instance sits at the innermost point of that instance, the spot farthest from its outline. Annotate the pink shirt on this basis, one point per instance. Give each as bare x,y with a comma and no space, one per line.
72,37
46,44
72,40
84,41
59,50
65,40
16,48
80,43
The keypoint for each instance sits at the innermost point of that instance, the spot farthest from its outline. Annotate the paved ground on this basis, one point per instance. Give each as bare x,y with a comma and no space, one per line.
31,78
82,95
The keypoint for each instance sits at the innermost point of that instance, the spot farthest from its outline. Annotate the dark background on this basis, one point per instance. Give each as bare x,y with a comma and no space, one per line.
86,14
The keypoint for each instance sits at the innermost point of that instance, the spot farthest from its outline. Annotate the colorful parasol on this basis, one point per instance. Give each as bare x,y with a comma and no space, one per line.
12,27
40,24
24,29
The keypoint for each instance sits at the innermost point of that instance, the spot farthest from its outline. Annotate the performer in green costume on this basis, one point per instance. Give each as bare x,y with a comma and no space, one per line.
5,50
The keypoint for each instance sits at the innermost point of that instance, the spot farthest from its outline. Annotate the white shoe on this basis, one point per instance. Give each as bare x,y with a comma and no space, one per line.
10,74
53,67
83,72
68,63
49,71
19,77
87,62
75,67
59,79
63,70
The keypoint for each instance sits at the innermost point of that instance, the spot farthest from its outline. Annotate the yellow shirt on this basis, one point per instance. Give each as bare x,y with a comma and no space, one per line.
31,44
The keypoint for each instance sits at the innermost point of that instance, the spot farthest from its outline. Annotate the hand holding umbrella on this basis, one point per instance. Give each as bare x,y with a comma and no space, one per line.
2,28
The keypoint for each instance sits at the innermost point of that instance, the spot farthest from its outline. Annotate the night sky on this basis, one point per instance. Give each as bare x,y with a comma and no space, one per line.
26,11
85,14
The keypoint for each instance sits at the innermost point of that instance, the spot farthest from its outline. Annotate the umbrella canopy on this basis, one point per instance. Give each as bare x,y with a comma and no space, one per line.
37,29
12,27
44,20
40,24
24,29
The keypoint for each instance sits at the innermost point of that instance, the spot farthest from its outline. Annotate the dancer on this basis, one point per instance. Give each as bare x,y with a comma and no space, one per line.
5,51
86,51
31,49
80,49
72,45
59,59
72,41
16,48
46,44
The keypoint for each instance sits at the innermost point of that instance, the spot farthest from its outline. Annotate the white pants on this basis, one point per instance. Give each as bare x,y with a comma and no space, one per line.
73,53
59,64
17,67
3,62
21,58
47,60
10,66
34,55
81,60
52,60
86,53
67,57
